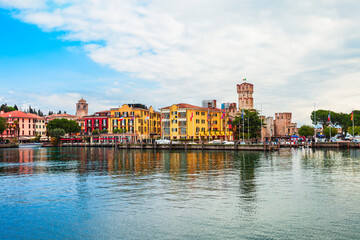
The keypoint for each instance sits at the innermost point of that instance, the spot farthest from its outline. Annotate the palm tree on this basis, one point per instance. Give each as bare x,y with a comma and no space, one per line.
16,128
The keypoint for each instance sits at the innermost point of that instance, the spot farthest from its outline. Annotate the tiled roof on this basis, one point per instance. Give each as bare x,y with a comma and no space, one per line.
36,116
82,100
18,114
63,115
186,105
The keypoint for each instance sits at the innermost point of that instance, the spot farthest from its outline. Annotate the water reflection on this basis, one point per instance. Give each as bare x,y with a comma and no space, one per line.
104,193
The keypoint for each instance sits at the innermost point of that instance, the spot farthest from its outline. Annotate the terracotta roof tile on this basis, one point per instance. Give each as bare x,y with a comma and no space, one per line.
186,105
17,114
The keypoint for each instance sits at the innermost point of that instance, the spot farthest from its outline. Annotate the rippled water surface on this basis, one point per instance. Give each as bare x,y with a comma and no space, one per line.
99,193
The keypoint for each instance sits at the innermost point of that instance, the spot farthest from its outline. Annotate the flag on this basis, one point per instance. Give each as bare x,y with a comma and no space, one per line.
147,118
121,118
208,117
244,79
132,118
328,117
352,116
223,115
192,115
242,113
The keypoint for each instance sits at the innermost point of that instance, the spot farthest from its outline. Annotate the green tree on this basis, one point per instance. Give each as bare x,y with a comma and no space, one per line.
356,130
95,132
306,131
327,132
16,127
69,126
252,123
342,119
57,133
3,125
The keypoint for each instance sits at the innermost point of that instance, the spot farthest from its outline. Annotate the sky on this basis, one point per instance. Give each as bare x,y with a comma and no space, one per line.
296,53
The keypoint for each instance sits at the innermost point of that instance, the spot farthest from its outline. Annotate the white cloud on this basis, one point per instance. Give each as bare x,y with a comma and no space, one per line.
294,52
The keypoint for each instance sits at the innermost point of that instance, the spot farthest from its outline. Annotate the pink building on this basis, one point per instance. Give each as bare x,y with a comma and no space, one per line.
27,125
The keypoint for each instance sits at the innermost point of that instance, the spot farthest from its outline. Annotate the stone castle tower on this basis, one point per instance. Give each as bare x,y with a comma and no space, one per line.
245,92
81,108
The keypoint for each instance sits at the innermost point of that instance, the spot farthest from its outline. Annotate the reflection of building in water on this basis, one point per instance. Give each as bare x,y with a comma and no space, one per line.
247,164
344,162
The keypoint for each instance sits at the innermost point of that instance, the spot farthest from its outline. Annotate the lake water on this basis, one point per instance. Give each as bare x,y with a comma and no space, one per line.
100,193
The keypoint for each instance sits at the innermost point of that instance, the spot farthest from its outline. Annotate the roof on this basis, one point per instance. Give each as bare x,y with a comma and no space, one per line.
36,116
246,83
63,115
18,114
82,100
186,105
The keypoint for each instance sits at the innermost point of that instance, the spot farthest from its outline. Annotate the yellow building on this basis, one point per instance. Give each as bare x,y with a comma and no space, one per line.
136,119
185,121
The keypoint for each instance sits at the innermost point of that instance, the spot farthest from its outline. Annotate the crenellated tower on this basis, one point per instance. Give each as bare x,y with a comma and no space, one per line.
245,92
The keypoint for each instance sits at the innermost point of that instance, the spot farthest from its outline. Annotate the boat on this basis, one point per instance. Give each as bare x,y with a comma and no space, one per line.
30,145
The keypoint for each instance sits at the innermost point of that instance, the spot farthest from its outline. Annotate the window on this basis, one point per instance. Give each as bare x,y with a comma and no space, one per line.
202,113
197,113
203,121
197,120
203,129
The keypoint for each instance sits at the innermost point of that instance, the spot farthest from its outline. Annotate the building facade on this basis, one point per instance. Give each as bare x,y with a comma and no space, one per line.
40,125
21,125
209,103
186,121
99,121
283,126
245,96
136,119
82,108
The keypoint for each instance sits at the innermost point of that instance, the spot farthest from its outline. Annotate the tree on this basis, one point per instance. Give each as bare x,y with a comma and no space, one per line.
57,133
252,119
342,119
3,125
15,107
16,127
306,131
327,132
10,109
356,130
95,132
69,126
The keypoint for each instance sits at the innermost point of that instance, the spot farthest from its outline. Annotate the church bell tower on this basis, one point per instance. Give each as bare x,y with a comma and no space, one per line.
81,108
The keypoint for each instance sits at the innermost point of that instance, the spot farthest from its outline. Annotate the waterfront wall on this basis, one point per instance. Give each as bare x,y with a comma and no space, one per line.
185,146
9,145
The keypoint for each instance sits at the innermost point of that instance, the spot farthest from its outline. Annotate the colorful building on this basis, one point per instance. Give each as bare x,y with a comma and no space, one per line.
136,119
40,125
99,121
21,125
185,121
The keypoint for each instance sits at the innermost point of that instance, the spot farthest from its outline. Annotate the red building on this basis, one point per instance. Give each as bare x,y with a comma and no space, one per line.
98,121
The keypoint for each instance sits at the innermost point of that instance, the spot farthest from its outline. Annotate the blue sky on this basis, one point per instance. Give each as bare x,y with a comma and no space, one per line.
34,62
52,52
